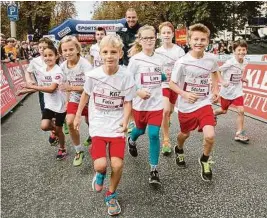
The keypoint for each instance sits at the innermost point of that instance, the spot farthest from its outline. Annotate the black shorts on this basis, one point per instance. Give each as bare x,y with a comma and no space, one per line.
49,115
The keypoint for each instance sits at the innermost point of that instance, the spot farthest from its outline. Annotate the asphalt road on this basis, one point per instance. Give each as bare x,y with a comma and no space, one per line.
34,184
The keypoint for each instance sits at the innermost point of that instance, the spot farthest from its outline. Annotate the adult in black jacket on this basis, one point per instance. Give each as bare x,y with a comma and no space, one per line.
128,33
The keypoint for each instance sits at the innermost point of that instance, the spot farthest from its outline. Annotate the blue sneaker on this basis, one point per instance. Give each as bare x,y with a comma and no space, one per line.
98,182
113,204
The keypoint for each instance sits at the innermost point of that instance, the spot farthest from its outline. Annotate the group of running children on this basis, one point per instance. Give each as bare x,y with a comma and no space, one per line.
110,95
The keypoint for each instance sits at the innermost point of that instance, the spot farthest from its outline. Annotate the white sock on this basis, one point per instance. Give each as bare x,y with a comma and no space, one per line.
153,167
78,148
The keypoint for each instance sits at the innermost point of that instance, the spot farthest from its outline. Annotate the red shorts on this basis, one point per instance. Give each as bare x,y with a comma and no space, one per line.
144,118
199,118
116,147
72,108
225,103
171,95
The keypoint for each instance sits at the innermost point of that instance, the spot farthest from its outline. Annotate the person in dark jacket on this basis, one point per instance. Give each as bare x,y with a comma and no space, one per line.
128,33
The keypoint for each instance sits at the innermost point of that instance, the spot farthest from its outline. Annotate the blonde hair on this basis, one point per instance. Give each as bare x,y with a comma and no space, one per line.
112,40
168,24
70,39
136,46
200,28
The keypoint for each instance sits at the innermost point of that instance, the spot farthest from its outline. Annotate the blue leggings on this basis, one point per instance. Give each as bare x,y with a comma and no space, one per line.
154,143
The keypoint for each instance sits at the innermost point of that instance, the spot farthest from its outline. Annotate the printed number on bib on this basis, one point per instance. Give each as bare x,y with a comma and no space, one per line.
199,86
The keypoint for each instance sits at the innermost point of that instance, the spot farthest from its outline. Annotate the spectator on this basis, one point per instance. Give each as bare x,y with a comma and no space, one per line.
23,51
128,33
3,53
10,49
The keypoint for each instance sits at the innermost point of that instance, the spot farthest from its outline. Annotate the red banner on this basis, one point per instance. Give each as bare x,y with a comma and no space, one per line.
180,36
17,76
8,98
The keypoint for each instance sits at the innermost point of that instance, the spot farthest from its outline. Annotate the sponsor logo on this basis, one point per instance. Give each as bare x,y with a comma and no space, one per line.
64,32
84,28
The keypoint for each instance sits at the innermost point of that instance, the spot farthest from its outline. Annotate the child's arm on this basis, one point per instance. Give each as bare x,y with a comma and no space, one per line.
24,91
190,97
215,78
48,89
127,110
83,101
68,88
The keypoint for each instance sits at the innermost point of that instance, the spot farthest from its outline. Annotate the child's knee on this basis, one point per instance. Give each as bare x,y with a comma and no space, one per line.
116,164
166,113
153,132
184,135
44,127
100,165
241,111
210,138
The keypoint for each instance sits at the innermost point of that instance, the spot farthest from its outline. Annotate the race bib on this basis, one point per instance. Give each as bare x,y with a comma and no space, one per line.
235,78
150,79
199,86
167,69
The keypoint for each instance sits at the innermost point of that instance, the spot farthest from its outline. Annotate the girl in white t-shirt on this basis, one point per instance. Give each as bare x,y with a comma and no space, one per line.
146,68
232,89
50,78
170,53
110,91
74,69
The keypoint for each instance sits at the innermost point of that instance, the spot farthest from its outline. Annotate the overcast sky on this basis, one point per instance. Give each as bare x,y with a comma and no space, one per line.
84,9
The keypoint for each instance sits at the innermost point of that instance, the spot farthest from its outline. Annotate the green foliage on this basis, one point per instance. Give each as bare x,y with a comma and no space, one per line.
37,17
216,15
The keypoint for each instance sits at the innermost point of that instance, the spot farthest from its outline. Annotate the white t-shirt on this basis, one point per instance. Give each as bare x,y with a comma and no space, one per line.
53,101
76,76
232,72
107,96
170,56
193,75
95,52
147,73
35,67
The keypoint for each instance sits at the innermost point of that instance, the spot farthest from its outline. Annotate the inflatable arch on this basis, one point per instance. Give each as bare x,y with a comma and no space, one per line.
72,26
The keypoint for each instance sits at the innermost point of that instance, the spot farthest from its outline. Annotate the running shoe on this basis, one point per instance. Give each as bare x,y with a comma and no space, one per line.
131,125
88,141
242,136
65,128
154,178
113,204
179,159
61,154
98,182
78,159
206,172
166,148
132,147
53,139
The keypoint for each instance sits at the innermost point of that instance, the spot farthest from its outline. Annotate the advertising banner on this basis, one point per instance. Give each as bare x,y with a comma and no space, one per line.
180,36
8,98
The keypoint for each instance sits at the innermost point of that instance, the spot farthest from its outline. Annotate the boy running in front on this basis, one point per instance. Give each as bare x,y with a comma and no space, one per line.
232,91
191,80
110,92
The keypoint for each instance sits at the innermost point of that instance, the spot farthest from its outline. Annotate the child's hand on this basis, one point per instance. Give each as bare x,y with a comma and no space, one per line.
215,97
144,94
225,84
123,128
65,87
77,122
190,97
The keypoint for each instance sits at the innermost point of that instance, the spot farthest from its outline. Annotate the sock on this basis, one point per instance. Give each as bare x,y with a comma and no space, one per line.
204,158
154,144
178,150
131,142
78,148
153,167
108,193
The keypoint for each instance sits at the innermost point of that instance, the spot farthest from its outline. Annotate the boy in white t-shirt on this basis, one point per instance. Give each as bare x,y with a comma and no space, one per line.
191,80
170,54
232,91
95,59
110,91
50,77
